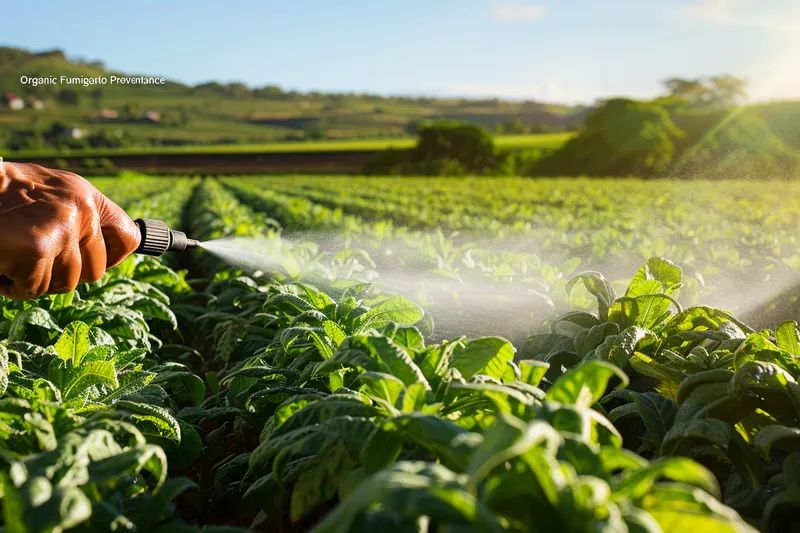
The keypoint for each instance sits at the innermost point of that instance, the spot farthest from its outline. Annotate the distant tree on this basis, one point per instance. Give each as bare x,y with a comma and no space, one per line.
620,138
68,97
269,91
717,91
514,126
237,90
315,131
694,91
446,142
727,90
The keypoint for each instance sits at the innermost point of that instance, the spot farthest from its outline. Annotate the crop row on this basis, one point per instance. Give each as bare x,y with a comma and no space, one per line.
151,403
302,410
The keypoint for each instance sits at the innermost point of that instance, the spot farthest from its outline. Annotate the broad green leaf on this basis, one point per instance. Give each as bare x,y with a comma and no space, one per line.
694,381
87,375
625,344
680,469
486,355
382,388
410,337
320,479
657,412
586,384
508,438
33,316
668,275
334,332
376,354
74,343
599,287
152,420
787,338
532,372
784,438
396,309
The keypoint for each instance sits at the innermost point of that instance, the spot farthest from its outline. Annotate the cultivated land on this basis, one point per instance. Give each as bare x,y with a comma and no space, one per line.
306,398
214,113
544,141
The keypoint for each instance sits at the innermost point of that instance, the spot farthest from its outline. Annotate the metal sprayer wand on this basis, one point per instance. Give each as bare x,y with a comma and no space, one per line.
157,238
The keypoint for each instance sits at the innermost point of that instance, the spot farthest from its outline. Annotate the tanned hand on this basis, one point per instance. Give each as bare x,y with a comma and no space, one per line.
56,230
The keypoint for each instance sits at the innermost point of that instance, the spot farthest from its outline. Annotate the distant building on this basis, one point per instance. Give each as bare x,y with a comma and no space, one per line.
152,116
75,133
109,114
14,102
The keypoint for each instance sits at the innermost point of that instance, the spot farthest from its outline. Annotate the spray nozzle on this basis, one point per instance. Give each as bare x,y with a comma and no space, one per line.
157,238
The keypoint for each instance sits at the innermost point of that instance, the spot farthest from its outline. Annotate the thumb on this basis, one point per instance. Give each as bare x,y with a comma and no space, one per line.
120,233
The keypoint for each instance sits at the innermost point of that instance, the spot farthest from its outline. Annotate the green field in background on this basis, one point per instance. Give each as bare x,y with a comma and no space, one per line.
547,141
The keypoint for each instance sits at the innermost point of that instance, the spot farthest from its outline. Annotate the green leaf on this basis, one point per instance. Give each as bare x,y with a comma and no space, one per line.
396,309
657,412
148,457
152,420
787,338
157,509
334,332
586,384
376,354
508,438
381,449
88,375
413,488
668,275
321,411
382,388
320,479
774,436
410,337
625,344
532,372
688,385
152,308
74,343
3,369
33,316
485,355
679,469
599,287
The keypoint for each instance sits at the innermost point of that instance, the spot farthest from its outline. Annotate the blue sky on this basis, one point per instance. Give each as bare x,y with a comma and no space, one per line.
553,50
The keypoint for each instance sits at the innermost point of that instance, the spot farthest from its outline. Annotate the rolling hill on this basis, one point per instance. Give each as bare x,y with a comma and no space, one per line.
215,113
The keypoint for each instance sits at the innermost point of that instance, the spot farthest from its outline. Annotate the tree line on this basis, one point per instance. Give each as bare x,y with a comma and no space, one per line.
697,129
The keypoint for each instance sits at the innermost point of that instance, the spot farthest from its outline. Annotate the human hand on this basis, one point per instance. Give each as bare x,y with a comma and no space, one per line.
56,230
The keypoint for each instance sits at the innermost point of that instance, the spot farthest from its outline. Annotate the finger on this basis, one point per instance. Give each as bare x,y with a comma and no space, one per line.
120,234
93,259
31,279
67,269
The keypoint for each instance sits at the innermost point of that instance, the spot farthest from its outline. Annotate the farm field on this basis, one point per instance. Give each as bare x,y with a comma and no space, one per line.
417,354
545,141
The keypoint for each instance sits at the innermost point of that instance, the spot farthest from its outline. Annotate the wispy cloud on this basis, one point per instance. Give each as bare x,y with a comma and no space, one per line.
518,11
722,12
771,15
